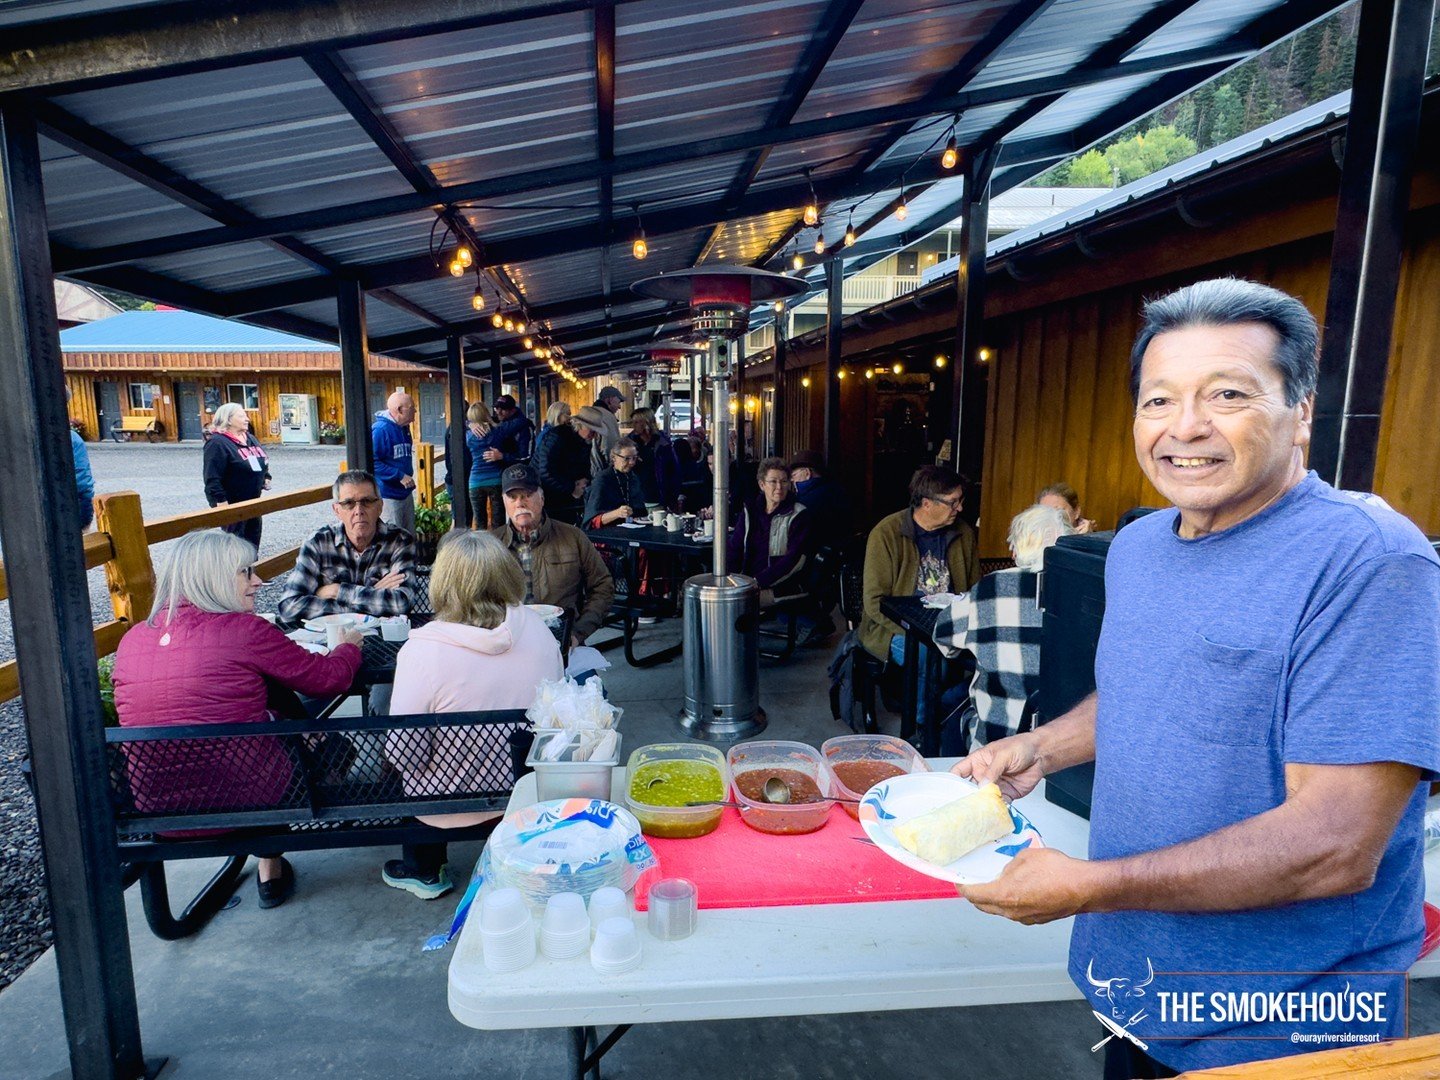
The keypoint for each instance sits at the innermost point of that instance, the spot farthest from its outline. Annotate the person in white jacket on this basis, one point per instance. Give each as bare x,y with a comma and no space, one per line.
483,651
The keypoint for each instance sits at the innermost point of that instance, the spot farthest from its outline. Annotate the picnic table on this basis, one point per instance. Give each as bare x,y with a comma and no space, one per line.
631,540
808,959
921,653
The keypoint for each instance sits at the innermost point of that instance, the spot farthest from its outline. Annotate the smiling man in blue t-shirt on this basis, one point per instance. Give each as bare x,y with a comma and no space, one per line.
1268,691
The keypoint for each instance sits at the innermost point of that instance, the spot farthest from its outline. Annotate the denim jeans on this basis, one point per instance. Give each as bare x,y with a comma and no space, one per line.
922,686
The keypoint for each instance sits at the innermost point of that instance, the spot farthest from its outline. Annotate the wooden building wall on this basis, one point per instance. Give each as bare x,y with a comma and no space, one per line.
272,373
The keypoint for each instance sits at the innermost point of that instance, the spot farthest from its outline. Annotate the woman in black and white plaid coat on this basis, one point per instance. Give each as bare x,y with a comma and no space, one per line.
999,622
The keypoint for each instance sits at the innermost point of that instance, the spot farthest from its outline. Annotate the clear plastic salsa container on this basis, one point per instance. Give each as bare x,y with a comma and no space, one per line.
754,762
681,773
866,760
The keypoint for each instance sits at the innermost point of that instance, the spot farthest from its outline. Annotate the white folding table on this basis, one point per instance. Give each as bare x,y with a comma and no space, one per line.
794,961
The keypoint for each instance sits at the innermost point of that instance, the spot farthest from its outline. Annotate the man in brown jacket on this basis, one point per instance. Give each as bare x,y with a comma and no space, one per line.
922,549
560,563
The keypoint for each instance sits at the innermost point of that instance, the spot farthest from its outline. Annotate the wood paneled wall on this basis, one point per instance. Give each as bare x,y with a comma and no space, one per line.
324,386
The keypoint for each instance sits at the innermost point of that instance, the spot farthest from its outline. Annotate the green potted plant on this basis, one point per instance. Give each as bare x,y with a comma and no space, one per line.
430,525
331,433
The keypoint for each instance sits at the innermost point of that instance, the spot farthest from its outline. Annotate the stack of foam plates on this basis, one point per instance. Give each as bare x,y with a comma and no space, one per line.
568,845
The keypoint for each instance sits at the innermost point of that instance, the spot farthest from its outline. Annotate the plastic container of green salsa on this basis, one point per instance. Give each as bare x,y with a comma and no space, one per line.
662,777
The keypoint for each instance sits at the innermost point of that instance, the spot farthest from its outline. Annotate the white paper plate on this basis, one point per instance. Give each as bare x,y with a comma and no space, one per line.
547,611
344,618
938,600
901,798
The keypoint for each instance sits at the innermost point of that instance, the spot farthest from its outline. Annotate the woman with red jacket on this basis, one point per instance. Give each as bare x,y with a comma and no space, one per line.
205,657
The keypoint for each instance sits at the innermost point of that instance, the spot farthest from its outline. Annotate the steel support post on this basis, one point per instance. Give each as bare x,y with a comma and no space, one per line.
777,408
835,292
354,350
694,362
737,395
1380,137
720,352
54,637
969,371
455,444
496,387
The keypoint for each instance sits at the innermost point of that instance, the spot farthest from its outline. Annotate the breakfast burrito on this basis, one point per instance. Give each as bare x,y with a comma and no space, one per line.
942,835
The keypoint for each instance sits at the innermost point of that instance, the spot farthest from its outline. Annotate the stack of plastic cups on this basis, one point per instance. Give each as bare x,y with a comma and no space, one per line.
507,931
565,927
616,949
607,903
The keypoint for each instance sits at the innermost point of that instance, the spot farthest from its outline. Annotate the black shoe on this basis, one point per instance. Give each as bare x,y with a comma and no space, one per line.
276,891
398,875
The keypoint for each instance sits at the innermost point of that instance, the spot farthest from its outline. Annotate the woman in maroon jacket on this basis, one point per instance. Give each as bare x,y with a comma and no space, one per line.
205,657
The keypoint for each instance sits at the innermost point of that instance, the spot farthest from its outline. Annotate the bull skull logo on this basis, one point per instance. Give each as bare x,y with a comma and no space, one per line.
1122,995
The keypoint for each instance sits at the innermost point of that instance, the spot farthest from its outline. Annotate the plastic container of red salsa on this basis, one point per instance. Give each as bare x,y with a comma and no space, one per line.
865,760
812,786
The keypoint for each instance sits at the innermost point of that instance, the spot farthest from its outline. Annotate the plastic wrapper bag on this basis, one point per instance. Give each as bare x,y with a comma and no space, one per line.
567,845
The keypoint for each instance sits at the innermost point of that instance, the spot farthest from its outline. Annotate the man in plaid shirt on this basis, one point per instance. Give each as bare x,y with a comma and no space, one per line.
359,564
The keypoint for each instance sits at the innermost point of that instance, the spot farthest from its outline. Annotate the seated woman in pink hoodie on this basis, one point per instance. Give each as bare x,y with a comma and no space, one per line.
483,651
205,657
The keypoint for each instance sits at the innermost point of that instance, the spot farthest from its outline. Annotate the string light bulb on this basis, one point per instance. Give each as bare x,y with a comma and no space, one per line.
477,300
903,210
497,320
811,216
897,368
797,260
734,406
805,381
840,374
528,343
819,243
869,373
539,353
465,255
850,230
509,323
457,268
940,362
951,157
639,248
779,306
520,328
984,355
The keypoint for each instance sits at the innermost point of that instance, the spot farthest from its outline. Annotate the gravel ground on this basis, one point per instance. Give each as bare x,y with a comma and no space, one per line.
167,476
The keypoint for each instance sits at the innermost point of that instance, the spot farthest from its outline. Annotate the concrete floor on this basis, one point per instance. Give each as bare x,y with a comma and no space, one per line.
334,983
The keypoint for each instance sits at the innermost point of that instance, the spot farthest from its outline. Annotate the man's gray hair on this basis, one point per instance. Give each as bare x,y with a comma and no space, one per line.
201,568
353,476
1230,302
1032,531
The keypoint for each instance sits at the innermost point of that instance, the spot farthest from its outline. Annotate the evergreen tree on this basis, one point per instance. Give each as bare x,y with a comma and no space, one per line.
1229,115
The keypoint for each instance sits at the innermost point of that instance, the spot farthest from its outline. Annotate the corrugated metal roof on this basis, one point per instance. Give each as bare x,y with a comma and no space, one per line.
180,331
244,188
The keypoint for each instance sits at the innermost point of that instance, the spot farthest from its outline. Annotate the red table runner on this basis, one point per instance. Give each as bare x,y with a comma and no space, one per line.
737,866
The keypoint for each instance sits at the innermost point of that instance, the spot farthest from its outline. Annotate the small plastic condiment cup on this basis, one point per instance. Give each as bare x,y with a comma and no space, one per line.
396,629
674,903
616,948
608,902
565,926
503,910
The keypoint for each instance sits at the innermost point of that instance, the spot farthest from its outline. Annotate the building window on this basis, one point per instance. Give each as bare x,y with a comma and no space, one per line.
246,395
142,395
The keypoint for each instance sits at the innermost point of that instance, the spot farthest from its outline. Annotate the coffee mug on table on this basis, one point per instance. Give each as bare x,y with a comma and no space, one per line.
709,528
333,630
672,522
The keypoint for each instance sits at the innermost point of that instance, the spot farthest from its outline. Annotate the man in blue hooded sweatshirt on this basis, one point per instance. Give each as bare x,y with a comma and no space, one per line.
394,463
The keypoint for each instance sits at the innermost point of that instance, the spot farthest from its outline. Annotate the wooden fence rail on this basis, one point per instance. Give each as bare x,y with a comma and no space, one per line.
123,538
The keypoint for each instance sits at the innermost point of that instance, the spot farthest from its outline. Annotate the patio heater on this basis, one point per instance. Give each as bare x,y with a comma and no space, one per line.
665,360
721,616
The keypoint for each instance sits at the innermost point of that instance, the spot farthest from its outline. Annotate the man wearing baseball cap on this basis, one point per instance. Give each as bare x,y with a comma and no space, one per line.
560,564
609,403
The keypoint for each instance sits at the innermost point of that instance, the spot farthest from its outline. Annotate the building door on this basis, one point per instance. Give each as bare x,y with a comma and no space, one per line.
378,396
107,407
432,413
188,422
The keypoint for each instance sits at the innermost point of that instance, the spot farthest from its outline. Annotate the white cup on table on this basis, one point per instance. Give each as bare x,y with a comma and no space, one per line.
708,529
672,522
395,629
334,632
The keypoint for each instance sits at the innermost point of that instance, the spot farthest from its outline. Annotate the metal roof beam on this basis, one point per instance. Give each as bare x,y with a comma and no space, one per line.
605,124
834,23
583,305
551,242
638,161
104,149
163,40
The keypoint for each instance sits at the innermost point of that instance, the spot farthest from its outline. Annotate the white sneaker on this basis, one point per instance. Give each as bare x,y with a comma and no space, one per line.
647,620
